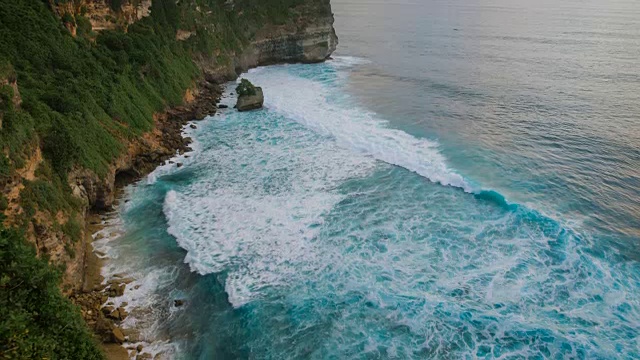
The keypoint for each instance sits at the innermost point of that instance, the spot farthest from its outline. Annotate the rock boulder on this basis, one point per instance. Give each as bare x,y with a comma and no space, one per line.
117,336
250,102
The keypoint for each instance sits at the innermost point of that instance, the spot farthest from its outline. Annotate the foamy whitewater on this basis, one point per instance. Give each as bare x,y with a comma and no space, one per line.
315,229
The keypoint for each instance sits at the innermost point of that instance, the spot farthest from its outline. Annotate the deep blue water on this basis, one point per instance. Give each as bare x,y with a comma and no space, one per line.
461,181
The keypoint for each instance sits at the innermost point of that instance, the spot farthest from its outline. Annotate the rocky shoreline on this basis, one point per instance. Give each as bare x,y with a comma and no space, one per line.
103,317
310,39
307,36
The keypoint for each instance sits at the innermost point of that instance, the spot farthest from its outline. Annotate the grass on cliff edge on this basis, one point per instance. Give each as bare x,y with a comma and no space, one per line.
80,98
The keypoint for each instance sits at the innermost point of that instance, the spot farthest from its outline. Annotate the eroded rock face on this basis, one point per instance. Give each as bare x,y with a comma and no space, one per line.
100,13
309,38
313,43
250,102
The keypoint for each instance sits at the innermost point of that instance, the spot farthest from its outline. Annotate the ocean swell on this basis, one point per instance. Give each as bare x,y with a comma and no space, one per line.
308,215
317,105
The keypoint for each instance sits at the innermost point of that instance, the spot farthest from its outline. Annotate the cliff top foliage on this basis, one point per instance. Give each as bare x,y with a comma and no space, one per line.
6,71
245,88
37,321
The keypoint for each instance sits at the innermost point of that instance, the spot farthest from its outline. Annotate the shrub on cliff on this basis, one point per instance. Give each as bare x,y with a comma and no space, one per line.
5,168
245,88
116,5
7,72
37,321
68,18
84,27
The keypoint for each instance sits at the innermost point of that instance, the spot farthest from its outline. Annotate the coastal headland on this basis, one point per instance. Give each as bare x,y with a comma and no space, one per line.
100,102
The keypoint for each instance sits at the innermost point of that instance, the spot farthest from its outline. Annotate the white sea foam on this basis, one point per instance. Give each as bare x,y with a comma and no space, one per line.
256,210
147,311
186,158
256,214
348,61
266,208
321,108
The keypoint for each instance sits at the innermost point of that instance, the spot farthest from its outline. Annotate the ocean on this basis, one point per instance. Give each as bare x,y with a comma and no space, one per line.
460,181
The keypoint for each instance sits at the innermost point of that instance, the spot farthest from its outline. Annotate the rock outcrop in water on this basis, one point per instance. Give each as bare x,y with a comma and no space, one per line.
250,97
250,102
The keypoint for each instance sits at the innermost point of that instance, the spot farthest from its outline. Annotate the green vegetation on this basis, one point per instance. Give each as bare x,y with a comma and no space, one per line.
77,88
72,229
37,321
116,5
245,88
7,71
4,168
68,18
44,195
82,98
89,93
84,27
3,204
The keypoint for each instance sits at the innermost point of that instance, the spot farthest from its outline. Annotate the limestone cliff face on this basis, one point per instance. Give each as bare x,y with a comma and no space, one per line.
103,17
101,14
308,38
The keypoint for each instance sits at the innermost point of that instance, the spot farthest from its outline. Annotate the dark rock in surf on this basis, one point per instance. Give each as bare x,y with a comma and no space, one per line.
116,290
251,102
117,336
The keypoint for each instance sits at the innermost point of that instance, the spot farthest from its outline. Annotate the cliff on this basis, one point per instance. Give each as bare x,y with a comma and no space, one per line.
95,93
309,37
306,34
101,14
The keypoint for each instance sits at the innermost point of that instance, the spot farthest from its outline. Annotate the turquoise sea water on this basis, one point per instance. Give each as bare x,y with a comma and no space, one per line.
460,181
